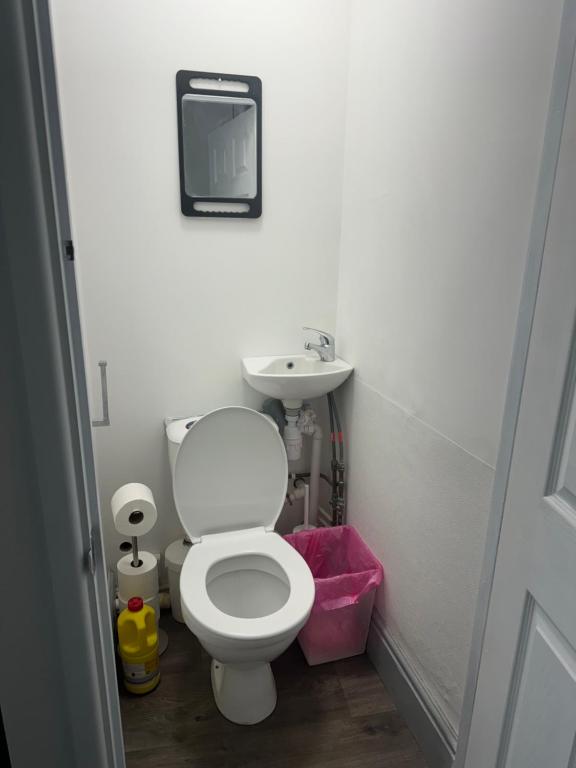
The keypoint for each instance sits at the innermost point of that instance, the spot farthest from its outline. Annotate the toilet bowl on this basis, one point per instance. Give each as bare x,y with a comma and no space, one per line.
245,592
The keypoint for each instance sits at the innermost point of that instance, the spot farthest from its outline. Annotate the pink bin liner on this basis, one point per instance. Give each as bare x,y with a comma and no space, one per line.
346,575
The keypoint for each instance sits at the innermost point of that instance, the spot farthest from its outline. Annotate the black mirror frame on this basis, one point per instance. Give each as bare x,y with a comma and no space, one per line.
183,87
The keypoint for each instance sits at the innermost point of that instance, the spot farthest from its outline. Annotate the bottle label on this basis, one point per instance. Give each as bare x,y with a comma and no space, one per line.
140,673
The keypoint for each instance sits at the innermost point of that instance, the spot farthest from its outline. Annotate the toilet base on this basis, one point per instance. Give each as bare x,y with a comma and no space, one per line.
244,693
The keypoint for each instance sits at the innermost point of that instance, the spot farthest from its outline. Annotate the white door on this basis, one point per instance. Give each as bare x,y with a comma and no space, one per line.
524,712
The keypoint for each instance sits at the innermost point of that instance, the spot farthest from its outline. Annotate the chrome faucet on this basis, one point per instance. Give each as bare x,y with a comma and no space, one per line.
327,347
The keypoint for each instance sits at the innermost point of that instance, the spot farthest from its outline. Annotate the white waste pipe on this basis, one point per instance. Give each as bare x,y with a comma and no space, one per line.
306,526
315,472
298,493
292,437
307,507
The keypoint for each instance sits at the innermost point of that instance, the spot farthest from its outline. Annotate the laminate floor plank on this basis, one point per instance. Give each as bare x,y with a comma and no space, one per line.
336,715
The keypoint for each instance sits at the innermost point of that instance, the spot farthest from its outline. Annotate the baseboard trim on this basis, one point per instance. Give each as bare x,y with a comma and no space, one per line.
431,729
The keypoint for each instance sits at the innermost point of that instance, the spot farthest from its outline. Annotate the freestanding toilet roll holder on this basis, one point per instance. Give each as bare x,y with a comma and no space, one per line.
135,559
135,518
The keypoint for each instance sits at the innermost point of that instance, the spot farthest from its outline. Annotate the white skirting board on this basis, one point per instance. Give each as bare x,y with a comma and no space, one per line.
433,732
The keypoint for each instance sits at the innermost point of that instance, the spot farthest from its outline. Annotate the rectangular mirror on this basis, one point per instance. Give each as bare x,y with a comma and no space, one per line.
219,146
219,131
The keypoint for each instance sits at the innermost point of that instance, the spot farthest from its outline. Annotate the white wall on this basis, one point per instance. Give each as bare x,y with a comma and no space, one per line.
173,303
446,110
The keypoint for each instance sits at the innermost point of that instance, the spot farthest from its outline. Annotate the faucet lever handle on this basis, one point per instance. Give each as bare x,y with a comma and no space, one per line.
327,347
326,339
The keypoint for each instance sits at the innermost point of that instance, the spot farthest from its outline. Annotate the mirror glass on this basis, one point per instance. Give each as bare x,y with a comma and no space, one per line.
219,146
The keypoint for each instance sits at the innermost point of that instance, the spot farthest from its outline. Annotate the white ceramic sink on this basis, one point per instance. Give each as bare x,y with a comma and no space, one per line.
294,377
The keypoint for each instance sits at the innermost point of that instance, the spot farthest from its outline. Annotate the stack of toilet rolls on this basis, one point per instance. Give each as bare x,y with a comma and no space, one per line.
134,514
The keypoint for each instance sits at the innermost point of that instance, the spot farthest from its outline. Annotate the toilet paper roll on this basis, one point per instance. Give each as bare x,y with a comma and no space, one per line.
133,509
137,582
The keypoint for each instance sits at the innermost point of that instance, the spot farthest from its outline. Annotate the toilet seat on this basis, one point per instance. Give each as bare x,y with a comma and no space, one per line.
201,613
230,480
230,474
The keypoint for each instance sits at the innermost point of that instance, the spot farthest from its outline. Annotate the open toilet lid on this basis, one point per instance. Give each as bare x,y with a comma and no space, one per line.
231,473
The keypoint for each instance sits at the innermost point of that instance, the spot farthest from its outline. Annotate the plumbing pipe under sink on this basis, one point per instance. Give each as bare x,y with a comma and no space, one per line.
306,526
315,473
299,423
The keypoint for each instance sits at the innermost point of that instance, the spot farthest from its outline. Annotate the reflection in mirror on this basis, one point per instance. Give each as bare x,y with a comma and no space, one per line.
219,146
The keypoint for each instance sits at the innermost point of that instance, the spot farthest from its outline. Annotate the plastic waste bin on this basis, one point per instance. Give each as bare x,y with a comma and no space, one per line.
346,574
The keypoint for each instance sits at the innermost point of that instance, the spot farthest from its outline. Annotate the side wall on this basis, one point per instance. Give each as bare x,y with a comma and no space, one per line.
173,303
445,119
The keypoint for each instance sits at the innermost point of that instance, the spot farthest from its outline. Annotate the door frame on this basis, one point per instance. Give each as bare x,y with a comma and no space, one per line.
59,696
540,216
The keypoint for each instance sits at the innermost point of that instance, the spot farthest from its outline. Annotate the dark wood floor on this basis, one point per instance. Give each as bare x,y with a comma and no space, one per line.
335,715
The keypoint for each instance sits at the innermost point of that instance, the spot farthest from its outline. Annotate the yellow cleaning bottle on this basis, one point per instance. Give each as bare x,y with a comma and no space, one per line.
138,646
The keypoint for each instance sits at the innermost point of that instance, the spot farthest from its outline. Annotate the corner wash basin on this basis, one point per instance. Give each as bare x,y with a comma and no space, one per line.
294,377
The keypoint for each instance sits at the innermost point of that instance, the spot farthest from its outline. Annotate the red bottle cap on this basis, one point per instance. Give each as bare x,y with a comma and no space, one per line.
135,604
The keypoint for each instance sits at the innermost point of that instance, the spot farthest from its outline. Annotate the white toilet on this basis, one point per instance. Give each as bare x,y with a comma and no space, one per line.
245,592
